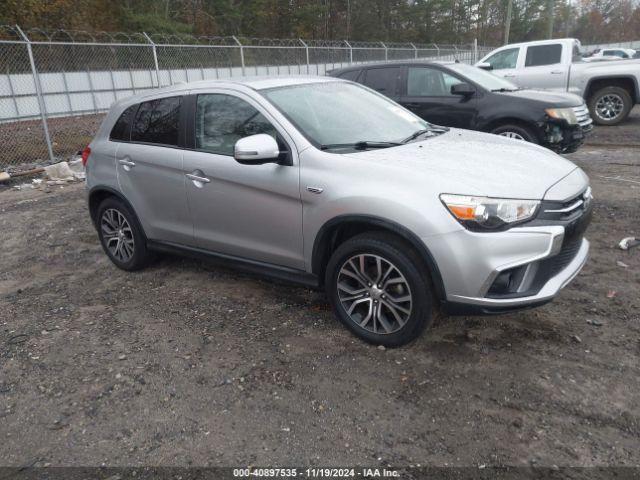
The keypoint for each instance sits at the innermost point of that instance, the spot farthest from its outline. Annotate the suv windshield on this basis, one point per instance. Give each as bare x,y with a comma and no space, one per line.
343,115
486,80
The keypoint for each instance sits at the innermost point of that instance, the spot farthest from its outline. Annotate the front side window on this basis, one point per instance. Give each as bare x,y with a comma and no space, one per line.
429,82
222,120
383,80
330,113
121,131
157,121
543,55
504,59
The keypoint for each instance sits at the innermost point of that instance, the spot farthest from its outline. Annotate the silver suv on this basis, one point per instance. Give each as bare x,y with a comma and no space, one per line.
327,183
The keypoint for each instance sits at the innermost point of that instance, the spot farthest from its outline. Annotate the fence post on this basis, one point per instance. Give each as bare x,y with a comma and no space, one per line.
155,57
437,50
475,50
350,52
241,53
36,82
415,50
306,47
386,51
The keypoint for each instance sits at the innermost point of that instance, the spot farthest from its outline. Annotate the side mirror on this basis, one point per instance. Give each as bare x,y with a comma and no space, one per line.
484,65
256,150
463,89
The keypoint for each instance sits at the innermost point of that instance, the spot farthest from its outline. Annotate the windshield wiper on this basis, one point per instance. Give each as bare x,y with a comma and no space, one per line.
361,145
422,131
505,89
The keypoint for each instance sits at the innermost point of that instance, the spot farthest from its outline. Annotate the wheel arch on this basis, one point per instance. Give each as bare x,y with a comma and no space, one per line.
98,194
341,228
627,82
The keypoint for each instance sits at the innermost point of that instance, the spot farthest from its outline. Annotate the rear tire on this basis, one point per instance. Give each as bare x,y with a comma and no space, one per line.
518,132
121,235
610,105
379,289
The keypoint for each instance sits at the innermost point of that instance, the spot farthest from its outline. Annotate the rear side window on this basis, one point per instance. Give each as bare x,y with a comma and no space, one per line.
350,75
121,131
543,55
383,80
157,121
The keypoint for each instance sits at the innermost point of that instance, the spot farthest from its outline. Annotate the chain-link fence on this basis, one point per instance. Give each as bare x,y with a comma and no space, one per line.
56,86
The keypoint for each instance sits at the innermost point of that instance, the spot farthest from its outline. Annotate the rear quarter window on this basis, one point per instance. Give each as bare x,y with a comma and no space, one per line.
350,75
121,131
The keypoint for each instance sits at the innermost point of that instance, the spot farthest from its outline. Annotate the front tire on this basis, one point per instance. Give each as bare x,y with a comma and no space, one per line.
610,105
121,235
517,132
379,289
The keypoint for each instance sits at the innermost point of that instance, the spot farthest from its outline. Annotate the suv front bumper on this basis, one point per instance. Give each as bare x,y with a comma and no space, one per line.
502,271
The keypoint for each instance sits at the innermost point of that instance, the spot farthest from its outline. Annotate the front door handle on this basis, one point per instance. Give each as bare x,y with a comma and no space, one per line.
556,72
509,75
197,179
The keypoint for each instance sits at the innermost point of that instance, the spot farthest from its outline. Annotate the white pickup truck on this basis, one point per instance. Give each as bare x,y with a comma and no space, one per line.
610,88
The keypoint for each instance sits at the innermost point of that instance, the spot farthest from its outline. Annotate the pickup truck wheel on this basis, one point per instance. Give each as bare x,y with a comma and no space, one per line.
517,132
610,105
379,289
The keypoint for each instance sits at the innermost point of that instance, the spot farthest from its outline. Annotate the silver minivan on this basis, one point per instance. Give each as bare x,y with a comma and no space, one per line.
326,183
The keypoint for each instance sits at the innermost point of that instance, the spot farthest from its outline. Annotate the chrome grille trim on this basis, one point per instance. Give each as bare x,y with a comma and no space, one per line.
582,115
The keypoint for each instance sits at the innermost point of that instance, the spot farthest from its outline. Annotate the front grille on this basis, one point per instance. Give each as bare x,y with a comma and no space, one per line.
582,114
568,210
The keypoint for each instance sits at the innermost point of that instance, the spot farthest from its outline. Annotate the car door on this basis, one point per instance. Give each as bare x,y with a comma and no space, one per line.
543,68
248,211
150,172
504,63
427,93
385,80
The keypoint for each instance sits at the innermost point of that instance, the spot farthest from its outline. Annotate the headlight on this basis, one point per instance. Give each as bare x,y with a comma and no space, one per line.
563,114
484,213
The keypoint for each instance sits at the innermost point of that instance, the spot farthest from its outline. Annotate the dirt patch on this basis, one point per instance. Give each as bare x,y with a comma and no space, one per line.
190,364
627,133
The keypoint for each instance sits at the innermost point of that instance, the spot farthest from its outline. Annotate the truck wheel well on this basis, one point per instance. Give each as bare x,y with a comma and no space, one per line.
625,83
341,229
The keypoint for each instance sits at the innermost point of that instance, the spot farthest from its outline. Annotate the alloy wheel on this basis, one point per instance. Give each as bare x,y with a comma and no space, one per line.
374,293
515,135
117,235
609,106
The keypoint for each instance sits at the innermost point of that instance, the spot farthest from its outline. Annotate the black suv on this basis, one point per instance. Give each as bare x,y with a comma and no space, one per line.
458,95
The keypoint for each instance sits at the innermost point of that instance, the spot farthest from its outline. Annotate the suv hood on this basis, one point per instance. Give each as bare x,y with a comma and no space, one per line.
472,163
550,99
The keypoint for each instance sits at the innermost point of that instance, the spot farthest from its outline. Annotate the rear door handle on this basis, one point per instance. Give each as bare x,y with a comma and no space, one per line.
127,164
197,178
509,75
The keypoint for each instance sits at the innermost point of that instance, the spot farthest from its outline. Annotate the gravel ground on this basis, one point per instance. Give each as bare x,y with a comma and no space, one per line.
190,364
